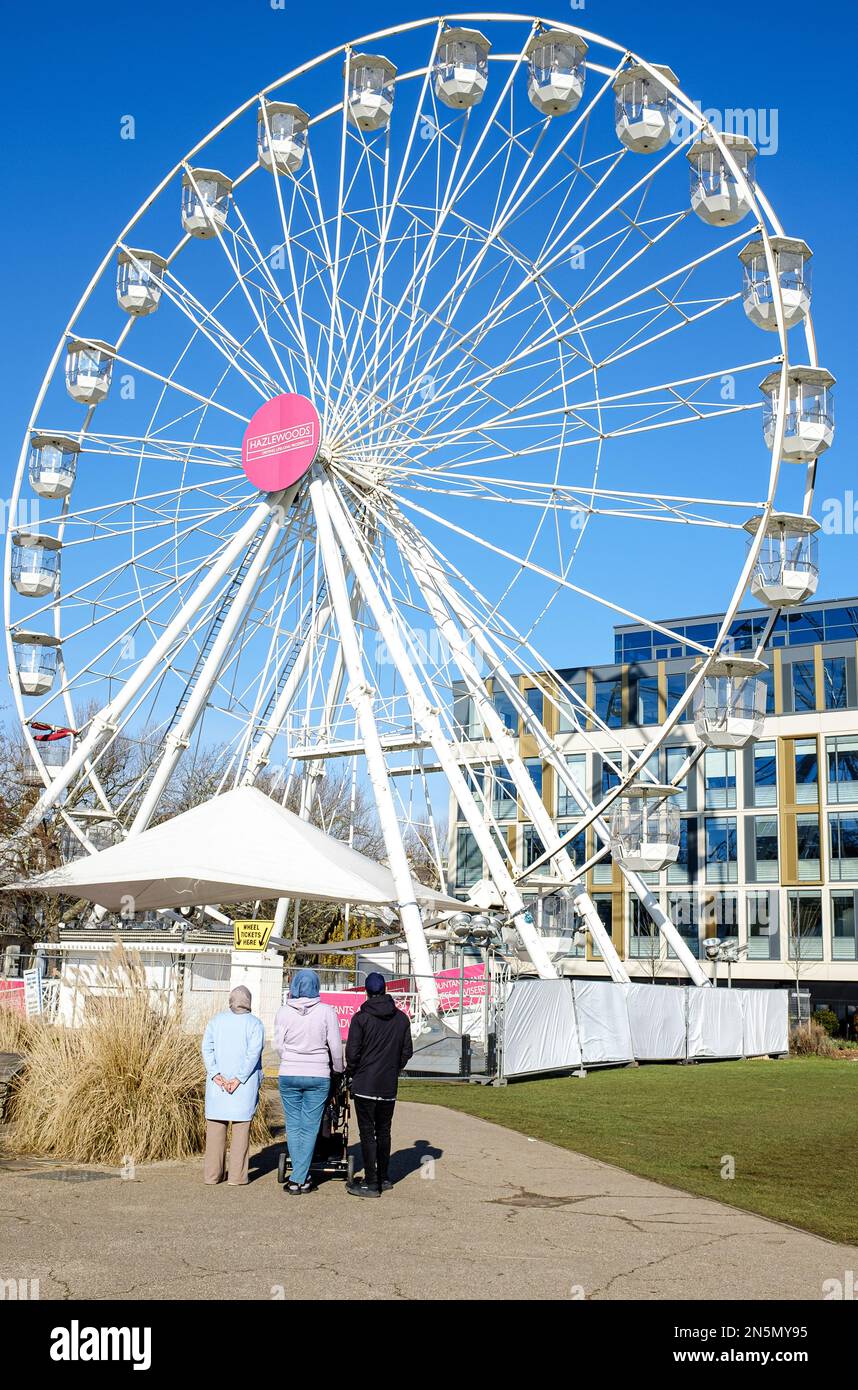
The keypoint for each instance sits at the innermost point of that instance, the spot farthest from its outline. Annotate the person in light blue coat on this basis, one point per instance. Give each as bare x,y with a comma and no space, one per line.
232,1052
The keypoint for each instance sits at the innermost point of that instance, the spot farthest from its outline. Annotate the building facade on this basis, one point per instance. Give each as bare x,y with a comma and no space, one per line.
769,832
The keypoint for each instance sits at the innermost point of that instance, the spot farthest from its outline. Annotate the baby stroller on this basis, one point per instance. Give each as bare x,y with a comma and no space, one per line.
331,1154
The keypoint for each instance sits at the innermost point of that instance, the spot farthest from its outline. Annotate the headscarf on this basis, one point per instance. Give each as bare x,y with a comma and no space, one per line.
305,985
239,1000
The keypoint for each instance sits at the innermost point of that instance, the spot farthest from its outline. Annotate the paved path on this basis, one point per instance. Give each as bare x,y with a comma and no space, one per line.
495,1215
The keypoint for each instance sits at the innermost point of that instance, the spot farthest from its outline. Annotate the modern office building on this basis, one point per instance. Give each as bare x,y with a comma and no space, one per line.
769,832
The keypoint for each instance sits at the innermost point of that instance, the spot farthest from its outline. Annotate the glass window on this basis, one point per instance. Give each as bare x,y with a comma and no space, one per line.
834,682
807,847
532,848
504,800
677,684
806,771
647,700
684,913
682,871
534,767
603,872
569,711
803,686
721,865
719,915
843,842
475,779
674,759
469,860
566,803
644,936
604,904
610,777
719,776
805,926
536,702
465,716
763,933
765,773
768,679
506,709
842,755
764,844
844,942
577,848
608,702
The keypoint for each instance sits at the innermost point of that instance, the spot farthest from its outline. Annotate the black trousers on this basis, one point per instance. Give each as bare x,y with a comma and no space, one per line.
374,1119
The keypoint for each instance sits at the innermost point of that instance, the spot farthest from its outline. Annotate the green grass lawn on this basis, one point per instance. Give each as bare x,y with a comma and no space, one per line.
791,1126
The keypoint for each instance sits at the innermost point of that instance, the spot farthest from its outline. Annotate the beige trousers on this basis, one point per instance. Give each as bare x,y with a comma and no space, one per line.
214,1162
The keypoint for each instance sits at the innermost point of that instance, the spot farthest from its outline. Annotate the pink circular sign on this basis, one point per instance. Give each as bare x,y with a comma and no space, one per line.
281,442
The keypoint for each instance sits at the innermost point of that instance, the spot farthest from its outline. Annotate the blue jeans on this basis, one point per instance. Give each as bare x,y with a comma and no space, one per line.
303,1100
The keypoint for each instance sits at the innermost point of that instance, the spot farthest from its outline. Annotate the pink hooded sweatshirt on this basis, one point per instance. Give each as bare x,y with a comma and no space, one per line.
307,1036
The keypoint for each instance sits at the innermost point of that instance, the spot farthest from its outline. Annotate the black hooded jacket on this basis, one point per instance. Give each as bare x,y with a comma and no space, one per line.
378,1047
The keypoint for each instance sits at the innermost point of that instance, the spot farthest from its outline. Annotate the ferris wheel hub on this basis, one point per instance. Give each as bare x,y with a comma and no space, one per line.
281,442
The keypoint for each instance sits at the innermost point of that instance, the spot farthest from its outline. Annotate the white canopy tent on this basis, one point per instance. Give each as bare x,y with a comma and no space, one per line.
238,846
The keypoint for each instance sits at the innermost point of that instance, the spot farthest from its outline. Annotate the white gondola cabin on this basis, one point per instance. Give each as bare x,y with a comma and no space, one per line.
717,195
287,126
37,658
730,702
138,281
54,754
556,71
205,202
644,111
786,571
35,564
371,86
53,465
645,828
461,67
792,270
809,427
89,368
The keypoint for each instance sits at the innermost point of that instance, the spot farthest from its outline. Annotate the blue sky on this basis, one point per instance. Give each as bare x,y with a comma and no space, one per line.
72,182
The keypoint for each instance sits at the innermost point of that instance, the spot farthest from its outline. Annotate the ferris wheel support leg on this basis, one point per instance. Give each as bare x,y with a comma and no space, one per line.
549,752
105,720
177,739
258,756
427,718
360,697
666,928
425,572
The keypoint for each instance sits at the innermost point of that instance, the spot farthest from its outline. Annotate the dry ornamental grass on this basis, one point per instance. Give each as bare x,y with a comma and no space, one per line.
128,1083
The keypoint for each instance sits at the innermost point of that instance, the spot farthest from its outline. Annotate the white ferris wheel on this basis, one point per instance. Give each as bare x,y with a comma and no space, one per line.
433,355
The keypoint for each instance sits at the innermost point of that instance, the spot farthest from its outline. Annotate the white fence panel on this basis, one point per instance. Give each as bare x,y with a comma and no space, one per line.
714,1024
765,1018
603,1022
657,1022
539,1032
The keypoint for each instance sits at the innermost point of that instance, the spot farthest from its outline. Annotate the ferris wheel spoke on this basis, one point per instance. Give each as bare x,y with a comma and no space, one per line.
206,322
513,419
551,255
376,277
271,296
539,570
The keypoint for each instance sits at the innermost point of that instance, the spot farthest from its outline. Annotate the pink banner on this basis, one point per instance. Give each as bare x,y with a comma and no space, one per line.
12,995
347,1002
450,987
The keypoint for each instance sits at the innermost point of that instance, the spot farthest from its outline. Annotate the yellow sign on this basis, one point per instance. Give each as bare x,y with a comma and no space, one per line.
251,936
